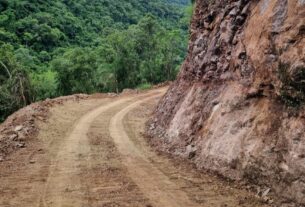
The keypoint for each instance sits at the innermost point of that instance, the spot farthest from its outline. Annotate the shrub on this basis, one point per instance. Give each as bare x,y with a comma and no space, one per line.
144,86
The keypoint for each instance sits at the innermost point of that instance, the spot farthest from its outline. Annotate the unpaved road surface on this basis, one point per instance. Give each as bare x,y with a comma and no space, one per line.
92,153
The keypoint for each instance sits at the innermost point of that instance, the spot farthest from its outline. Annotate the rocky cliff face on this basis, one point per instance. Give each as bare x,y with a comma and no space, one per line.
237,105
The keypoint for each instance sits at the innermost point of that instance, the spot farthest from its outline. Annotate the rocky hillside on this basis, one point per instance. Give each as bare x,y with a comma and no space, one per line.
237,107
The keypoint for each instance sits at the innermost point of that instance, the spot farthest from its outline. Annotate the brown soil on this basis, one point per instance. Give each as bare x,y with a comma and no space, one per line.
91,152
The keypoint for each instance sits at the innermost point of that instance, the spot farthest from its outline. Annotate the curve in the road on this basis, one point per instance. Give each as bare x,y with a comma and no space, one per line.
63,187
152,182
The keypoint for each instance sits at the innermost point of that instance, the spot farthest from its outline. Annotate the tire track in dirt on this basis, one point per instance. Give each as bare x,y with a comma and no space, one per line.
154,184
63,186
202,188
63,177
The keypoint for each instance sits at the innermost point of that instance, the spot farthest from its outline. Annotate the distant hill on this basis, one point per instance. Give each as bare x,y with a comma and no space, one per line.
46,25
50,48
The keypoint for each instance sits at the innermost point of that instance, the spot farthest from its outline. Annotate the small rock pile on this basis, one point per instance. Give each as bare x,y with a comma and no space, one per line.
21,126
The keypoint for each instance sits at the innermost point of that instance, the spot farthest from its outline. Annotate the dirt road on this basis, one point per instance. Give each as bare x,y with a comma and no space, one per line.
91,153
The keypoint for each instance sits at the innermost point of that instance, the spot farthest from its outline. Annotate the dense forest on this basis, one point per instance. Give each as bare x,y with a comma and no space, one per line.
50,48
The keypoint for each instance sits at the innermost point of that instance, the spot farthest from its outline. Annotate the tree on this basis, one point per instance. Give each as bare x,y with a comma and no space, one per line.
76,70
59,47
14,83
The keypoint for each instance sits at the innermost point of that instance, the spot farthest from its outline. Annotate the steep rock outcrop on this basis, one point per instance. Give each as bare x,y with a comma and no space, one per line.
236,107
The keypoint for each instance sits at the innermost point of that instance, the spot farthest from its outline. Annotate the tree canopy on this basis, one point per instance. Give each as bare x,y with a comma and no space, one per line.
50,48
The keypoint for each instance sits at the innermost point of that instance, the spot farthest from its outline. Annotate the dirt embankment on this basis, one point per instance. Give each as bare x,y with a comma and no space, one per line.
237,105
21,127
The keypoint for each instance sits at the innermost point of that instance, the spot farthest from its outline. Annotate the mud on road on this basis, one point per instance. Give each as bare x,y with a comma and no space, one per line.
92,153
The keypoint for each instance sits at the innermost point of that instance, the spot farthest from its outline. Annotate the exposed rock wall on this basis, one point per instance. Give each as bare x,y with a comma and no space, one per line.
237,105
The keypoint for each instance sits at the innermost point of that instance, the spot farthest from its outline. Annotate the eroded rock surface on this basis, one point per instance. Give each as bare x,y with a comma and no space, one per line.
237,105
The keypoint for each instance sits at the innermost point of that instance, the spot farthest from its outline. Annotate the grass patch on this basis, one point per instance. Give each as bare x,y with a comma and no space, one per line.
144,86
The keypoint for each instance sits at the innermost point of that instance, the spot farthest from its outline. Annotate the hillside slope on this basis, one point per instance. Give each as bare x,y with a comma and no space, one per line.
54,48
47,25
237,105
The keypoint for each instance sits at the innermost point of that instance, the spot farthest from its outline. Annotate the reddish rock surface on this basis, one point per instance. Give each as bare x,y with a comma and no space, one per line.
236,107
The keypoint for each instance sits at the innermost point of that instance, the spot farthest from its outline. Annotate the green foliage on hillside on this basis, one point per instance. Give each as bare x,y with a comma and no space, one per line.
15,89
179,2
50,48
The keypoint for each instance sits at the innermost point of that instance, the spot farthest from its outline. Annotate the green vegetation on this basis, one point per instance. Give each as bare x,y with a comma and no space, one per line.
59,47
144,86
15,90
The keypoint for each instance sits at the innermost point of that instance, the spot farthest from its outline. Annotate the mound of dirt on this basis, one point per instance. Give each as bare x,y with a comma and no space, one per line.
21,126
128,91
237,105
164,84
